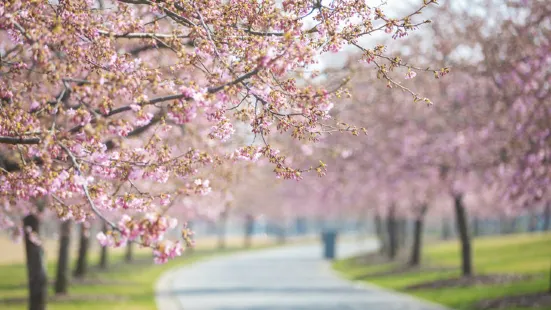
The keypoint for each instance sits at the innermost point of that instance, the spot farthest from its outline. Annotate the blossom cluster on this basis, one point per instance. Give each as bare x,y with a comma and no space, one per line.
115,107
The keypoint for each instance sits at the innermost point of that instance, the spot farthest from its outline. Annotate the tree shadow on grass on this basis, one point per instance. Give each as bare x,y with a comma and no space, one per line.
403,269
481,279
68,298
531,301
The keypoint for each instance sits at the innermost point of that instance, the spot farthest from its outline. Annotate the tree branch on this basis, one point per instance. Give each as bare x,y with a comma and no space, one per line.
19,140
210,90
85,188
141,35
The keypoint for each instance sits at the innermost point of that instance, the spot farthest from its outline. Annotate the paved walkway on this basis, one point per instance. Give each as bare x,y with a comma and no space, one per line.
287,278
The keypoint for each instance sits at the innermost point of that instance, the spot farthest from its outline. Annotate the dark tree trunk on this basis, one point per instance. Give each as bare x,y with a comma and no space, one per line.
36,270
128,256
62,275
547,217
82,261
392,234
222,230
103,254
380,233
249,227
446,229
463,231
415,259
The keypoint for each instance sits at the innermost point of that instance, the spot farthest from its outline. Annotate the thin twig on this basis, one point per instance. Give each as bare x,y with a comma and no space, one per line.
85,188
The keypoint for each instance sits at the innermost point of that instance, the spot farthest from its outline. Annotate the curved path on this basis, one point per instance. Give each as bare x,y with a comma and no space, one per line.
286,278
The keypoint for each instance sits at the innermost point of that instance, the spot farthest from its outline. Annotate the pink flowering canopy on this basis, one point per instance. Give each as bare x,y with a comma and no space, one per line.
486,141
101,102
525,85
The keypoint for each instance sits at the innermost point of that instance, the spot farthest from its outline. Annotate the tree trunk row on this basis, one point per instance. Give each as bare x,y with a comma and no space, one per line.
36,270
62,275
379,230
446,229
84,239
415,259
103,254
392,231
463,232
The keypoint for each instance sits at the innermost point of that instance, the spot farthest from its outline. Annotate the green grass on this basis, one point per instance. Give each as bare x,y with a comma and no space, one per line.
122,287
520,254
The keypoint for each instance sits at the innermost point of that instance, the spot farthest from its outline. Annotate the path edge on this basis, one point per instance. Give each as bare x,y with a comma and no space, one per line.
164,299
371,286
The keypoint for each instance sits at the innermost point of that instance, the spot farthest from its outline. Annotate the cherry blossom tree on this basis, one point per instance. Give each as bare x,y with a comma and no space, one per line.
100,99
511,86
525,84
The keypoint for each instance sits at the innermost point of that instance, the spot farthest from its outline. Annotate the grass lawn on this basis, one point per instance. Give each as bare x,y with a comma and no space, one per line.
528,254
122,287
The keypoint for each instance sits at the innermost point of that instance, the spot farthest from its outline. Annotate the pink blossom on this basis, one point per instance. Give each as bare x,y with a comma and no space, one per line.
34,105
104,240
222,131
165,200
167,250
143,119
410,75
